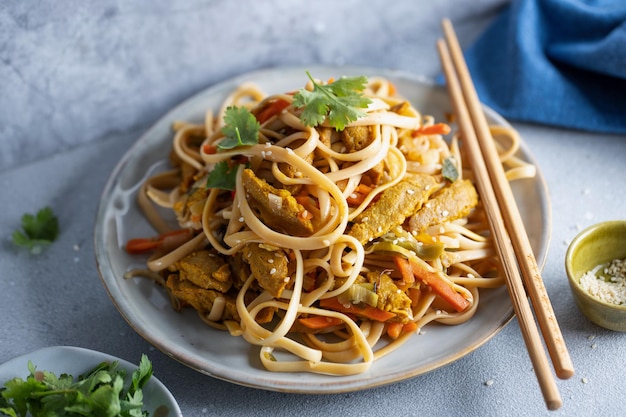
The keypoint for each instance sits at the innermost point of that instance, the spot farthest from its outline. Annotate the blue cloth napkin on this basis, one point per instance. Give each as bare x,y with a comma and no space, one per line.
555,62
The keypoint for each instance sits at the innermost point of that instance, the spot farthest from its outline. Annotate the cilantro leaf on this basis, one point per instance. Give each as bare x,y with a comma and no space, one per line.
37,231
241,128
223,176
340,101
449,169
99,392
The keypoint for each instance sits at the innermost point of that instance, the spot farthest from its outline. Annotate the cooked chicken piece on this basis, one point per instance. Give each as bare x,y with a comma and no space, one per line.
189,209
277,208
453,202
199,298
356,138
270,267
390,297
204,269
393,207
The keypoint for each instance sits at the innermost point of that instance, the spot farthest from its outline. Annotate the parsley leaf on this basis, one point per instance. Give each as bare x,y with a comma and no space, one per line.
37,231
100,392
340,101
241,128
449,169
223,176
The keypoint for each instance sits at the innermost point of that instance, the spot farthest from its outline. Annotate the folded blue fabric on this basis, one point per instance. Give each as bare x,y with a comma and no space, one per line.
555,62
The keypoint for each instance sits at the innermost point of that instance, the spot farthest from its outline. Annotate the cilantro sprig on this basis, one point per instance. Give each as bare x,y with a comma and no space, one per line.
241,129
340,102
38,230
100,392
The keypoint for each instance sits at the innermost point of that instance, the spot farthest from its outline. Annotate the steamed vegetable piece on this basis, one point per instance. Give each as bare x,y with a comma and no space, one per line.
103,391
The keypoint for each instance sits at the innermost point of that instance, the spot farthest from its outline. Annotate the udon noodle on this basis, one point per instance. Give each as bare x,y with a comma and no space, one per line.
333,247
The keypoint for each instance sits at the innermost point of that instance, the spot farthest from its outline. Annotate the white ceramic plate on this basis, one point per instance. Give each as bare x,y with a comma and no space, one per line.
158,401
185,338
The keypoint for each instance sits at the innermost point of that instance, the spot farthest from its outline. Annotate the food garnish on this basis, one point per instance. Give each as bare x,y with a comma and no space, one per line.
222,176
340,101
38,230
100,392
241,128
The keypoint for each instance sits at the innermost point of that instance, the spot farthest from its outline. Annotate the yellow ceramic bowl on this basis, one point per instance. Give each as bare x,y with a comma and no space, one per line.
597,245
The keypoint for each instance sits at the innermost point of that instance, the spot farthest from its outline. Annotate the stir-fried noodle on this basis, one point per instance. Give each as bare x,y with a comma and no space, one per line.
335,246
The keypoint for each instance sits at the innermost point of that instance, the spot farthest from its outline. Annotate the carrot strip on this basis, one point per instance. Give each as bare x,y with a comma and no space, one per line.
364,311
439,286
394,329
359,194
142,245
436,129
209,149
319,322
406,271
271,109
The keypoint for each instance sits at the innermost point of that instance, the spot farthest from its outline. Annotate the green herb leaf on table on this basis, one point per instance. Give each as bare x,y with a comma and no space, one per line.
38,230
341,102
100,392
241,128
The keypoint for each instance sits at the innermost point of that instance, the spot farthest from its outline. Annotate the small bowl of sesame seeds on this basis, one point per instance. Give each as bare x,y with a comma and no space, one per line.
596,267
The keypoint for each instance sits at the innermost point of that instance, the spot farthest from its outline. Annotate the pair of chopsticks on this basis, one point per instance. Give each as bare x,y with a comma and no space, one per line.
511,240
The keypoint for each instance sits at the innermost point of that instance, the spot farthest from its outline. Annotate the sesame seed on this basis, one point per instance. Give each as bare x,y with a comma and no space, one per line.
353,195
489,382
263,154
445,213
584,380
365,219
326,242
272,271
410,192
268,153
287,279
268,145
270,261
241,219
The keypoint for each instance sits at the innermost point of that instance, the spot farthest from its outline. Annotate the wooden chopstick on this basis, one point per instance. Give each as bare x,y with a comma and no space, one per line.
501,236
548,323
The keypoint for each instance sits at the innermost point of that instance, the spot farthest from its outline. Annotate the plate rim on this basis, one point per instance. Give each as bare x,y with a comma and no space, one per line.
336,386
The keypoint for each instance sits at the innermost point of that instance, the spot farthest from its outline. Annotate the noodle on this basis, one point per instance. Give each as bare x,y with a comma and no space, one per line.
323,298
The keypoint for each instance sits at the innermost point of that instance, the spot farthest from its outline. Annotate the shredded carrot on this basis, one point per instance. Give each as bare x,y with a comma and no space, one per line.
271,109
436,129
144,245
365,311
409,327
394,329
405,269
359,194
209,149
319,322
439,286
414,294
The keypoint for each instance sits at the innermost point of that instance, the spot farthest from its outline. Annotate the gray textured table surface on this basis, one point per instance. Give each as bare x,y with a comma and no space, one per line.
80,83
